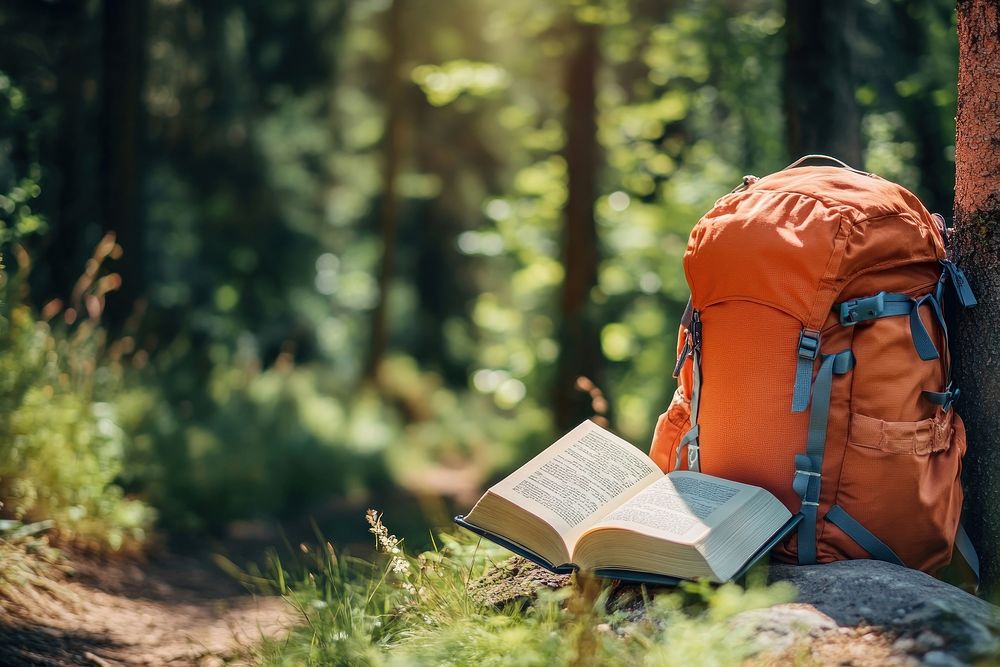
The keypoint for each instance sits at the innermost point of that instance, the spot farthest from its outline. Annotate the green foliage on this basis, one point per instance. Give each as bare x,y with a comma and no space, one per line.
62,447
272,440
410,610
61,443
17,190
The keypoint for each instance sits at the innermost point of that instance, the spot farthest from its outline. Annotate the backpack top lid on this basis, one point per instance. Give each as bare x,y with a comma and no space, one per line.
794,239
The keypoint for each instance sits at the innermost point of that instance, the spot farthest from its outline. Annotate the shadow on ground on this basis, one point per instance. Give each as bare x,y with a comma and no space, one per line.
23,644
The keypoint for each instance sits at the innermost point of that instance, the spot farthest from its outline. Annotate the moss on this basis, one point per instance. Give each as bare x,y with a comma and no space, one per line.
514,580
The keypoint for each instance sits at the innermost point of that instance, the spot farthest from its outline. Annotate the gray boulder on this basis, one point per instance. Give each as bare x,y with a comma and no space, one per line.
926,618
860,613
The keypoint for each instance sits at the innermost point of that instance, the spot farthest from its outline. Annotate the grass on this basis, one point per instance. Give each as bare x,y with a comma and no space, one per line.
416,610
29,564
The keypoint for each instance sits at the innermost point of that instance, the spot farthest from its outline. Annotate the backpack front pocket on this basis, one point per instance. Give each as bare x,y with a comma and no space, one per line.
900,487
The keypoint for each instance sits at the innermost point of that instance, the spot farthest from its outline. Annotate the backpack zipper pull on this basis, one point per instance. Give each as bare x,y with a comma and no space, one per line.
692,337
685,353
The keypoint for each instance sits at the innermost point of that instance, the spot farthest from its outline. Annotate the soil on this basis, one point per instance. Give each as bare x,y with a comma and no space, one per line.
176,610
179,608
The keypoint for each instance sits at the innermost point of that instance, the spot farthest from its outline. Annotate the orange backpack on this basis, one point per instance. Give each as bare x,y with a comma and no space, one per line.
813,361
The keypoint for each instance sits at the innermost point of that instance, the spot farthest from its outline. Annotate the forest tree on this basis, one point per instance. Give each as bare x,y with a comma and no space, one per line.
977,250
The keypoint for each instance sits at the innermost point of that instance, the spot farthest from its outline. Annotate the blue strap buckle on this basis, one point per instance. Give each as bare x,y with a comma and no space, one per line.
861,310
807,477
943,398
808,345
962,288
801,483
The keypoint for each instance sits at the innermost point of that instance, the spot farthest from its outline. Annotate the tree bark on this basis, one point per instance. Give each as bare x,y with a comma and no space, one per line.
977,249
388,212
821,112
580,350
122,124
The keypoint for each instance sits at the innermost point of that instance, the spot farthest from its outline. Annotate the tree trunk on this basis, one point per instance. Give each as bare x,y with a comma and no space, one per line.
66,254
932,136
821,112
388,211
977,250
580,351
122,122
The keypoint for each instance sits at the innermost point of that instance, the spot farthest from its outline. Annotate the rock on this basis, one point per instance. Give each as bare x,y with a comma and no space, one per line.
857,613
927,641
928,616
855,647
942,659
777,629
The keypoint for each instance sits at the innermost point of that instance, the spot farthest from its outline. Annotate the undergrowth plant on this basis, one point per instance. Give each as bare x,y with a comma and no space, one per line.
61,443
29,564
401,609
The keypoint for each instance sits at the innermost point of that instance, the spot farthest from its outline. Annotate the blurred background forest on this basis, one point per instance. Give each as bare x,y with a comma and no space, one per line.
361,250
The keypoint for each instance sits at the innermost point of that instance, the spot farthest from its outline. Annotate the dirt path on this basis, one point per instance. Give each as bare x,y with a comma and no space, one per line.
175,611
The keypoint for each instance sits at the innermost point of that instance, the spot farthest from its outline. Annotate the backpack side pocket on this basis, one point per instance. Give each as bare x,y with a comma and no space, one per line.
670,429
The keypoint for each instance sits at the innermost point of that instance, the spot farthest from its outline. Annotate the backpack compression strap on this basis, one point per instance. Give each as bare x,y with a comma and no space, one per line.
809,466
967,551
863,537
807,353
891,304
888,304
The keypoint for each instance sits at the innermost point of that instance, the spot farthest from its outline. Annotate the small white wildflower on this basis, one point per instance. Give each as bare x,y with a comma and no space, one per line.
318,604
384,542
400,565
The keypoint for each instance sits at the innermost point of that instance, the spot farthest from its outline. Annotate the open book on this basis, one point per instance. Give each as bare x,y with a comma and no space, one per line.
592,501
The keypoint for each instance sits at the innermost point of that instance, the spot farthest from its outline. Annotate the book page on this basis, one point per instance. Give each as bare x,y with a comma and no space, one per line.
579,479
681,507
